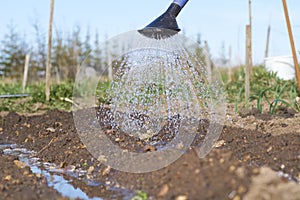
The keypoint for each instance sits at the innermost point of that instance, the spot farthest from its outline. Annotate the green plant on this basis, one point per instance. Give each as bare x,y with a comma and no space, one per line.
266,88
37,99
281,93
140,196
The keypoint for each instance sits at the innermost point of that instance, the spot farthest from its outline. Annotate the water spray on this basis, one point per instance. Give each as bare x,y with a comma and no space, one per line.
165,25
160,95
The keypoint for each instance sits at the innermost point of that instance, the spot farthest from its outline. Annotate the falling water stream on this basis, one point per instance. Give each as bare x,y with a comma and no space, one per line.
155,84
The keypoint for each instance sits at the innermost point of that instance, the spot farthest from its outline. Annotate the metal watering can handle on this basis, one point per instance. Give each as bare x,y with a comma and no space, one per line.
181,3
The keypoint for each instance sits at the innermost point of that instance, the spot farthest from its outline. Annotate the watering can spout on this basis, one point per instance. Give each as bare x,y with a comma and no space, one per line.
165,25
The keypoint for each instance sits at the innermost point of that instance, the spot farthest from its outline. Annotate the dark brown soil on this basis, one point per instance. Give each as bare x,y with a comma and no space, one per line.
227,172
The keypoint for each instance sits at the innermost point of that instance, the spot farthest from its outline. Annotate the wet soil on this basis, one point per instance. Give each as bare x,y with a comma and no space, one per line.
251,147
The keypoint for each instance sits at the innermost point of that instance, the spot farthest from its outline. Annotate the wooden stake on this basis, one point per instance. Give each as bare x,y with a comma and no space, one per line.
110,71
247,63
48,67
208,62
250,37
26,66
292,42
230,65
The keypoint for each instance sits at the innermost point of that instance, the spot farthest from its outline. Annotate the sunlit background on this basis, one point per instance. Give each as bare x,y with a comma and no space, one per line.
221,23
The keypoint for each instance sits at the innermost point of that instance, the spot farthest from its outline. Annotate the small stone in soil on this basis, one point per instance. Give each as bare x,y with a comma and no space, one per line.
106,171
241,189
231,168
163,191
19,164
50,129
149,148
181,197
220,143
7,178
91,169
237,198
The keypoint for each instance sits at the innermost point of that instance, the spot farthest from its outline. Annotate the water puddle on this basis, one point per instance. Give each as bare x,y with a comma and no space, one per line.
54,175
288,177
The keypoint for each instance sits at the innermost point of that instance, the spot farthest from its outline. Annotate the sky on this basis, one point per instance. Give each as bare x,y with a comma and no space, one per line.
218,21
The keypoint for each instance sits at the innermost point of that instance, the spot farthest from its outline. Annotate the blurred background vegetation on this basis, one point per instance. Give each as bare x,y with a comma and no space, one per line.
69,50
268,93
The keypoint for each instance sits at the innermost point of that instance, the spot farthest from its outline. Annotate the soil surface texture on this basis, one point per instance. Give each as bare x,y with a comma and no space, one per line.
256,157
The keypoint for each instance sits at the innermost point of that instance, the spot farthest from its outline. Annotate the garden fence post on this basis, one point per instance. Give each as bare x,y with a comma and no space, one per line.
48,67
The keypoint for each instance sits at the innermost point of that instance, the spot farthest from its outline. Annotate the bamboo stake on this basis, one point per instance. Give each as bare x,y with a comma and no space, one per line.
48,67
286,13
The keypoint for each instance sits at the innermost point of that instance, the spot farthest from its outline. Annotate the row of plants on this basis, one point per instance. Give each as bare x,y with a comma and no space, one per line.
267,91
36,99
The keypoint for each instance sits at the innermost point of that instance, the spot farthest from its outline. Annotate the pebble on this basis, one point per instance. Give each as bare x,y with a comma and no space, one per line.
38,175
1,129
90,170
181,197
109,131
149,148
232,194
27,125
240,172
19,164
220,143
102,158
50,129
241,189
180,146
222,160
237,198
7,178
247,157
62,164
255,171
163,191
269,149
106,171
26,173
2,187
231,168
16,182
